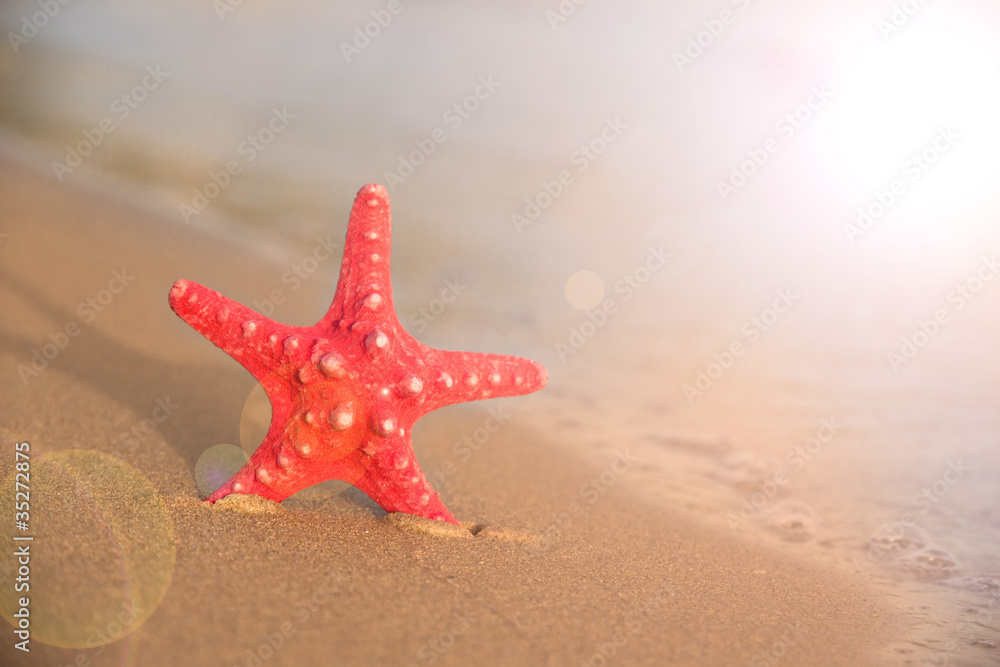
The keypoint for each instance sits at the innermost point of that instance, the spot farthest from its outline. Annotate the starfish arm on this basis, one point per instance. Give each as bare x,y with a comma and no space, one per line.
364,290
231,326
396,482
458,377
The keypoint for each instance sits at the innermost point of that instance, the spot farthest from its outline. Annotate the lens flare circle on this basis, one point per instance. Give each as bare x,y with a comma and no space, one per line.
216,465
103,552
584,290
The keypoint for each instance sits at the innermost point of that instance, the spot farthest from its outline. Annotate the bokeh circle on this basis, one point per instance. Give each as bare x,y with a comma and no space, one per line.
216,465
584,290
102,554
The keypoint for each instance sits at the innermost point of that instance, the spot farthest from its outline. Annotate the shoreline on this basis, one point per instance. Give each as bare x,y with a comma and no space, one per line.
648,582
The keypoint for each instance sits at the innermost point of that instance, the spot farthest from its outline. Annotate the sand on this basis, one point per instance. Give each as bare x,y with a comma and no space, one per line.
554,575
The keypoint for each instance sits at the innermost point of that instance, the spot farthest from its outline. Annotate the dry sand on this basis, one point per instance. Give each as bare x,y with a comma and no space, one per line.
327,579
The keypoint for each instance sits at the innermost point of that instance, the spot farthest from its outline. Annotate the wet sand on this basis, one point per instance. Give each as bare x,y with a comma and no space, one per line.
567,567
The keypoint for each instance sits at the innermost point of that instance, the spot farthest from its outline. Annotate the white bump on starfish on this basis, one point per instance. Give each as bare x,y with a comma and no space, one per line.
283,461
472,380
410,386
518,379
238,487
342,418
495,378
310,418
249,328
222,316
373,202
401,462
292,344
375,257
373,301
332,365
424,499
376,342
446,380
371,236
264,475
273,338
193,298
303,449
384,425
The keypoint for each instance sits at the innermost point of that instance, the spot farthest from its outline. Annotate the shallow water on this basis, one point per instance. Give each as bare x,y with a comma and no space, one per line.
760,373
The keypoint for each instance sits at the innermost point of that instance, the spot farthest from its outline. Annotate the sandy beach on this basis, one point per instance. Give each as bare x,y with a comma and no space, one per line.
559,572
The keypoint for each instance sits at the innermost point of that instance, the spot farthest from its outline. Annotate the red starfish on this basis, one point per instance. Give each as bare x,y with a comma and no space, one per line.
346,392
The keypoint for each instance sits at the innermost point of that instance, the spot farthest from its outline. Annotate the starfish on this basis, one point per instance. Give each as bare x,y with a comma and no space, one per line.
346,392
